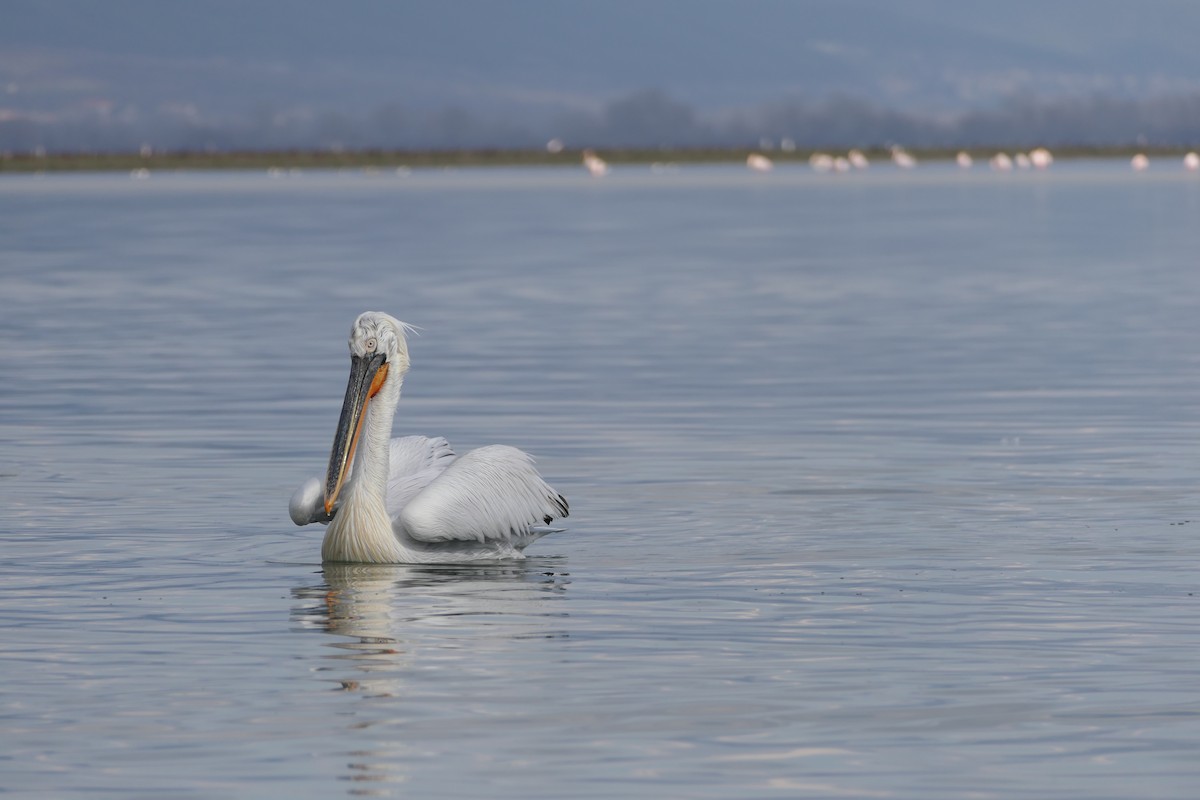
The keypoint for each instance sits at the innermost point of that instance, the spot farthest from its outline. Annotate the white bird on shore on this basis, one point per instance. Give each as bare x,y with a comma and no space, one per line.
821,162
1041,158
594,164
902,158
411,500
759,163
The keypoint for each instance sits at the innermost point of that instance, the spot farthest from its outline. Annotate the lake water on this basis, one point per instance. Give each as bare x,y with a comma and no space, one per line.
882,484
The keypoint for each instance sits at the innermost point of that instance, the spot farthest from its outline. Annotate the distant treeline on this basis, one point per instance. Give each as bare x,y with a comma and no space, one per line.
647,119
284,162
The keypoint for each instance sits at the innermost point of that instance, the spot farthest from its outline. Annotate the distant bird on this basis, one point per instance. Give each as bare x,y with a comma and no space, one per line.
1001,162
1139,162
411,500
1040,158
901,158
759,163
1191,161
821,162
964,160
594,164
857,159
1023,161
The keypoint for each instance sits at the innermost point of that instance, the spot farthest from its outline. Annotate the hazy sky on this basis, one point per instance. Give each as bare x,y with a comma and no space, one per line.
220,61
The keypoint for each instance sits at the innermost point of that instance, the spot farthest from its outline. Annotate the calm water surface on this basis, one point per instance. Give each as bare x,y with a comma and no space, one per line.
882,485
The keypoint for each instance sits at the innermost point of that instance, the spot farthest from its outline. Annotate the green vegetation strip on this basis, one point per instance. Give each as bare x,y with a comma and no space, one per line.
392,159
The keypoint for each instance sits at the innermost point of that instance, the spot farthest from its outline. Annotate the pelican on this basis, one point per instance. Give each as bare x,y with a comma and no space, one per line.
821,162
1041,157
411,500
903,158
759,163
595,165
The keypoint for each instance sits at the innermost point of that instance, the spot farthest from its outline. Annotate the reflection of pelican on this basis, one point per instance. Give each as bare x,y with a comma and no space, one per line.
410,500
399,640
362,600
386,612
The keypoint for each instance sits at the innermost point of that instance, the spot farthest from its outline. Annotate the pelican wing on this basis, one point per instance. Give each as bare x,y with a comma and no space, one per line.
490,495
413,462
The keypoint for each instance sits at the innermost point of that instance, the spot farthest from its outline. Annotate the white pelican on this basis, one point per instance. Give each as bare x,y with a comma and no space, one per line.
1041,157
857,159
964,160
410,500
1191,161
594,164
759,163
821,162
903,158
1139,162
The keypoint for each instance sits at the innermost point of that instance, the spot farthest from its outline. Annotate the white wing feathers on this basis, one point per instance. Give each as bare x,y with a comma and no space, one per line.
487,495
413,462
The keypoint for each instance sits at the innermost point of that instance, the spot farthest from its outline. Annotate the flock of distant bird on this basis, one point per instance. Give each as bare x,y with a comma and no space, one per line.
1038,158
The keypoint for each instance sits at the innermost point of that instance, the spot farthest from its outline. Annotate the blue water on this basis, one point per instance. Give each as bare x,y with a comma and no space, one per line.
882,484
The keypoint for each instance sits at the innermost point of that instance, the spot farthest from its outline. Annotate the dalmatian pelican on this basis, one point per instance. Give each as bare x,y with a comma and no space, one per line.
411,500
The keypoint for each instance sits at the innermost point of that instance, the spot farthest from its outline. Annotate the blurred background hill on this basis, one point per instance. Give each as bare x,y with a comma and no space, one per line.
268,74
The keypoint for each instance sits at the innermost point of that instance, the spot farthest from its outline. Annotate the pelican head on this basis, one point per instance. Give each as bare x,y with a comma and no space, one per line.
378,361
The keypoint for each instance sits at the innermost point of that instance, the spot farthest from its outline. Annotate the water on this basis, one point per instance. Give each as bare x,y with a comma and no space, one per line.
882,485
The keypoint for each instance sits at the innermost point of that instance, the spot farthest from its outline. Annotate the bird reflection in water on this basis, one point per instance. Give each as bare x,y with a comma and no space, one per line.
405,638
385,614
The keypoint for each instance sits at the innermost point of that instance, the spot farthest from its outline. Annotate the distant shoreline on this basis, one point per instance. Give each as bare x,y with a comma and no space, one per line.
418,159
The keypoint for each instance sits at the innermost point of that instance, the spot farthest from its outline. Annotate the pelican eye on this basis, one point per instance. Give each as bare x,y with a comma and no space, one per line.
371,344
